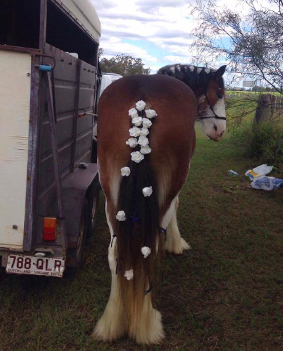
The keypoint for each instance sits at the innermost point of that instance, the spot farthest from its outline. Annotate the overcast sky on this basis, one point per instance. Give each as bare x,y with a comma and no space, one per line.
157,31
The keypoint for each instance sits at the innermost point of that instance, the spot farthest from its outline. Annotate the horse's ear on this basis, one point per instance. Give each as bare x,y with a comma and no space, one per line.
219,73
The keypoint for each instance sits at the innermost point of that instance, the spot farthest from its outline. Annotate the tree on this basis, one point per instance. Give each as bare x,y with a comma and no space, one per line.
252,44
123,64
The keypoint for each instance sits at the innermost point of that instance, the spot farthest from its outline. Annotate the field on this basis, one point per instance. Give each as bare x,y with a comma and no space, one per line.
224,294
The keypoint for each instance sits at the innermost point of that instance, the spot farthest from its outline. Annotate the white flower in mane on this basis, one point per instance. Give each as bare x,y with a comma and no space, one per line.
147,191
125,171
144,132
143,141
145,251
137,121
145,150
132,142
146,123
199,69
137,157
129,274
121,216
150,113
140,105
134,132
133,112
192,68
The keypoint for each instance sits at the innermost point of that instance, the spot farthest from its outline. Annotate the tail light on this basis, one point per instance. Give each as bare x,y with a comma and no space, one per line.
49,228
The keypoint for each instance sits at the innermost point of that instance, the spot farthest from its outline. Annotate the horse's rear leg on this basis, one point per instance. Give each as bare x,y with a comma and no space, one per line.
174,243
147,329
112,324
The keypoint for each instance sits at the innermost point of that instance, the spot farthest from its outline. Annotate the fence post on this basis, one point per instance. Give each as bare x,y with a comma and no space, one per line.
265,108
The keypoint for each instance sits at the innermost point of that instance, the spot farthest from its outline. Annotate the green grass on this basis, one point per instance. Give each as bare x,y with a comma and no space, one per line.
224,294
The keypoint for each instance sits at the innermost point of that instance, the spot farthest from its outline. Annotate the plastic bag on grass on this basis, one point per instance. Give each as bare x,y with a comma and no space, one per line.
259,171
266,183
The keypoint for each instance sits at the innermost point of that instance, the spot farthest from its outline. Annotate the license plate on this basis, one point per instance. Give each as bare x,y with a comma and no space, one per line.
49,266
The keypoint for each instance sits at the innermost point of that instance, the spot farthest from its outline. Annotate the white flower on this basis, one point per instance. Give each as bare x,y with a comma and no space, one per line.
125,171
144,131
129,274
140,105
137,121
147,191
143,141
121,216
137,156
145,251
133,112
134,132
132,142
150,113
145,150
146,123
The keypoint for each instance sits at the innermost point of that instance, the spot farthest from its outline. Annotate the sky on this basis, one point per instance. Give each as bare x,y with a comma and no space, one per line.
157,31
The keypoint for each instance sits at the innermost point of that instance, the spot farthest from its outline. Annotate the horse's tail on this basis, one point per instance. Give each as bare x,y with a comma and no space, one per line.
138,242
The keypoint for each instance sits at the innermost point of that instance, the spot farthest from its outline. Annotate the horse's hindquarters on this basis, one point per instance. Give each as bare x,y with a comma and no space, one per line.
134,214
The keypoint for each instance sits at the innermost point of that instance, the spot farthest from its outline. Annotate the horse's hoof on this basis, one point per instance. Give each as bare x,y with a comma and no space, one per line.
108,330
177,247
150,332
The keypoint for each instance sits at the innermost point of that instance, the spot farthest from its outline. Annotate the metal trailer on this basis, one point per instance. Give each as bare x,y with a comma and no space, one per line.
48,83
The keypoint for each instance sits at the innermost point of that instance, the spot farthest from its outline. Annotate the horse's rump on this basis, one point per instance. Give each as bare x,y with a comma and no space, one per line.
171,137
172,141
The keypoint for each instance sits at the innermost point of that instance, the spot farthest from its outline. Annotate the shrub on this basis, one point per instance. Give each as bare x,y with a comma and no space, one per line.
263,141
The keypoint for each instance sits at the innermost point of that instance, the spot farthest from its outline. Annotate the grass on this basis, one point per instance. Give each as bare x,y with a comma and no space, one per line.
225,294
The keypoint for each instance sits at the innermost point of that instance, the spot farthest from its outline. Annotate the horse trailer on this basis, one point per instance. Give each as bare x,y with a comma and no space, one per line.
48,185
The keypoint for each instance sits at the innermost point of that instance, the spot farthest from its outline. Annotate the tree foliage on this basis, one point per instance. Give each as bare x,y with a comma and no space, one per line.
252,44
123,64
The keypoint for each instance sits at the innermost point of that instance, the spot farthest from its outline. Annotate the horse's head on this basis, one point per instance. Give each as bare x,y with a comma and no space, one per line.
211,105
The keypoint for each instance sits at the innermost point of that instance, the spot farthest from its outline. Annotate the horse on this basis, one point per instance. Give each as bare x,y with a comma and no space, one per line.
146,140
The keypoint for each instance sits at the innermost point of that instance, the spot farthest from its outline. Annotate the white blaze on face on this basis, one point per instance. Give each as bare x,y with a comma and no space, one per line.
215,128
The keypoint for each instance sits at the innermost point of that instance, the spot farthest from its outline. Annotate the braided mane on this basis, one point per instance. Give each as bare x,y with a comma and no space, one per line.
194,77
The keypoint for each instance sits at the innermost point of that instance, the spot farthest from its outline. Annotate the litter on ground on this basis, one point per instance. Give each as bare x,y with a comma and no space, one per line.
259,180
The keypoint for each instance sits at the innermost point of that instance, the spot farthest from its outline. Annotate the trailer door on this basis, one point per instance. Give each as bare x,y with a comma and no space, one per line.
15,68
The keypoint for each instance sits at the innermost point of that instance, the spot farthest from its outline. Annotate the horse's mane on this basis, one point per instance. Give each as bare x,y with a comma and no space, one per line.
194,77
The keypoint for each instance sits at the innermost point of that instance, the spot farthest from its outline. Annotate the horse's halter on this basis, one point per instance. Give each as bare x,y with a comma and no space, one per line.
215,115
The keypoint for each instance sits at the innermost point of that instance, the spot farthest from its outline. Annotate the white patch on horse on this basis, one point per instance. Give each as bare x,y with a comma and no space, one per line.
172,69
175,243
219,108
115,186
178,68
199,69
210,123
192,68
207,70
168,215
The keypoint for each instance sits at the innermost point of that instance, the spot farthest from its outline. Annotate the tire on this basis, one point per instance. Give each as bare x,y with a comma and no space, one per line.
75,254
93,200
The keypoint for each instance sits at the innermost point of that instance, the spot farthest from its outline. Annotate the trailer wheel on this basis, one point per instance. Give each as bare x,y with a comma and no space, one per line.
93,200
94,211
83,232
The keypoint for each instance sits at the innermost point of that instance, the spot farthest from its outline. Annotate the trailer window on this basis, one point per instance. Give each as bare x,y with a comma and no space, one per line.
19,23
65,34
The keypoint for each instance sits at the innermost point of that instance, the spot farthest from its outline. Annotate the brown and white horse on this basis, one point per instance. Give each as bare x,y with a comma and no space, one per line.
146,142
